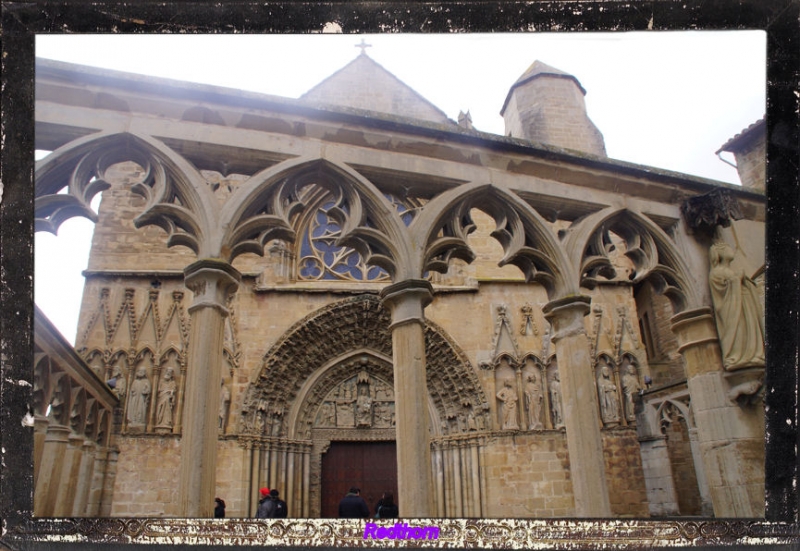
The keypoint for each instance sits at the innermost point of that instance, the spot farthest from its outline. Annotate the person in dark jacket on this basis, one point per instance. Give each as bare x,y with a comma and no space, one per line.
386,507
353,505
219,508
266,506
280,505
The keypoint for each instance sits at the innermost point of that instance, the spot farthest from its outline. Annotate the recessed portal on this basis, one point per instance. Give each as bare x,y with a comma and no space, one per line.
370,466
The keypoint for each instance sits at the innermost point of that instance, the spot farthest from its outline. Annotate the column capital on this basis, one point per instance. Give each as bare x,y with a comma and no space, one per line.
212,281
407,300
566,315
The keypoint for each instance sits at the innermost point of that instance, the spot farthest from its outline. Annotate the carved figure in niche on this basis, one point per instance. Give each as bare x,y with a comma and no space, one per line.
364,410
471,424
260,421
609,403
165,402
737,311
533,402
139,398
345,415
509,398
555,401
383,414
630,387
224,403
119,384
327,416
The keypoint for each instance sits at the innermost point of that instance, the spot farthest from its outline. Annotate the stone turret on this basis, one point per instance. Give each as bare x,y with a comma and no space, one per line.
547,106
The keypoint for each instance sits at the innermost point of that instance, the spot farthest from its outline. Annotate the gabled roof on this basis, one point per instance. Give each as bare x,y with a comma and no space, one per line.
536,70
365,84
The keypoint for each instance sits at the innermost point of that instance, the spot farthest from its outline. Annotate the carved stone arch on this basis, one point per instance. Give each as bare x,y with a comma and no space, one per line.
178,199
95,359
59,403
267,206
77,412
355,325
653,254
42,383
684,410
92,423
526,238
305,409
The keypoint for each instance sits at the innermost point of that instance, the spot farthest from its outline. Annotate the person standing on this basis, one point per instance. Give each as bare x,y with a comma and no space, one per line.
219,508
386,507
280,505
353,505
266,506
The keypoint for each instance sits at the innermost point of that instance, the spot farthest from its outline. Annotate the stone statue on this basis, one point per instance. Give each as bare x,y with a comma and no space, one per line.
609,403
165,402
364,410
328,415
139,398
119,384
737,311
555,401
224,402
630,387
533,402
471,424
509,398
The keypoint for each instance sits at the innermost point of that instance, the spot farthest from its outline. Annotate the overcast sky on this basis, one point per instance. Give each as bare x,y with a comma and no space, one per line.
662,99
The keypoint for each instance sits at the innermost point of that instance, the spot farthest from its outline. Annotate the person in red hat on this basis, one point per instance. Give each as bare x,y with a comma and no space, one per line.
266,506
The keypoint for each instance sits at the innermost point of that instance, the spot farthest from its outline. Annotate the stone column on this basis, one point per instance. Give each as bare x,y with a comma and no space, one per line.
50,468
658,479
84,479
40,424
730,436
706,508
70,470
211,281
476,484
580,405
108,480
406,300
307,483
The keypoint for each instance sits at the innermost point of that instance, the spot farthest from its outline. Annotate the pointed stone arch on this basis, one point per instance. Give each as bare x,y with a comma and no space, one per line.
178,198
526,238
653,254
268,206
336,333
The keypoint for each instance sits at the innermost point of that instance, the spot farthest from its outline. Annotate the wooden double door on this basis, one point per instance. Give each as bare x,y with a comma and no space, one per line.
370,466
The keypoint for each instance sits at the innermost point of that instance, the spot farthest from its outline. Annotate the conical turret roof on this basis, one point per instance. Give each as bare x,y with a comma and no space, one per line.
536,70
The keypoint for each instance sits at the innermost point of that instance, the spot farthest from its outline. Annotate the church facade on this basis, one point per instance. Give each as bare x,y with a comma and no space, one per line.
350,289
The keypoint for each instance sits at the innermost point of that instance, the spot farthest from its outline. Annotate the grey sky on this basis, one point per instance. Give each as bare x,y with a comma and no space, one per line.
663,99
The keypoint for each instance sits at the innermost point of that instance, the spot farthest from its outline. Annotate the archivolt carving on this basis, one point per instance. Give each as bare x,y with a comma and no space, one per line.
651,252
339,331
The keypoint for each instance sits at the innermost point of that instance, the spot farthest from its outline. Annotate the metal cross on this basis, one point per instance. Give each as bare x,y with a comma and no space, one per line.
363,46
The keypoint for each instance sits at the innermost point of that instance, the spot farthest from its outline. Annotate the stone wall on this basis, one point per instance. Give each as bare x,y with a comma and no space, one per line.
751,162
683,468
624,474
528,476
147,477
666,365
